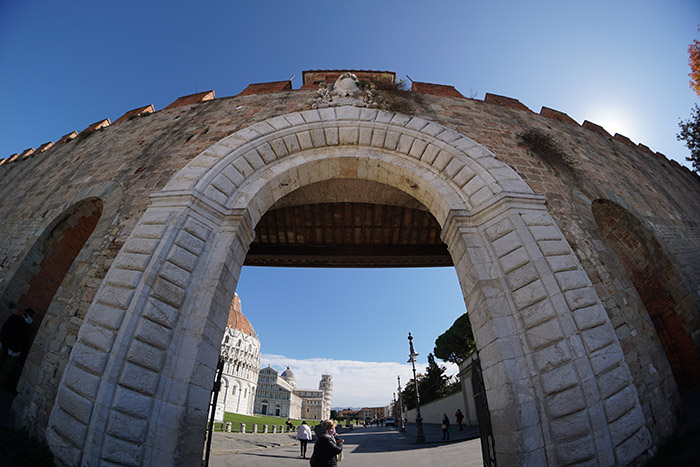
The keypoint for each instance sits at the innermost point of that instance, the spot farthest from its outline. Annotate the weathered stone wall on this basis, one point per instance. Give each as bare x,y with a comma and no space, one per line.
124,163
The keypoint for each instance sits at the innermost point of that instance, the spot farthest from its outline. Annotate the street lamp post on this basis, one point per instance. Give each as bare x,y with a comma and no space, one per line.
402,426
420,437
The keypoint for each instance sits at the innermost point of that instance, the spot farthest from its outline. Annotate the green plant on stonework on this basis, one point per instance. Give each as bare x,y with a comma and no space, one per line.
548,150
25,450
393,95
690,133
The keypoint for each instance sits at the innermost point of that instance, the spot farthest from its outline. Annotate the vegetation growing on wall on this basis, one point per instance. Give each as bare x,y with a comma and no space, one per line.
546,148
394,96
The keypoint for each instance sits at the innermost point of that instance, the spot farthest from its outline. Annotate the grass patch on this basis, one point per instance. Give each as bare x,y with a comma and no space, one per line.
25,450
260,420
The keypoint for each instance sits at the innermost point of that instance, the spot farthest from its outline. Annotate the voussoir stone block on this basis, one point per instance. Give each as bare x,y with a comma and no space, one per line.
122,452
127,427
575,452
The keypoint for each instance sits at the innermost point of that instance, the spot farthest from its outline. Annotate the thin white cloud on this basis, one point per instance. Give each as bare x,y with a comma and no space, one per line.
355,383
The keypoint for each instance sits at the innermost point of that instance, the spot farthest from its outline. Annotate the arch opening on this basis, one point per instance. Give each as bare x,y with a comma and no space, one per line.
45,266
658,284
348,223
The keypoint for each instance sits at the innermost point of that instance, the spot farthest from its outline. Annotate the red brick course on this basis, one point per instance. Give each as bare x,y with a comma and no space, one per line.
435,89
557,115
504,101
60,250
44,147
653,278
95,126
312,78
192,99
145,110
624,139
67,137
266,88
596,129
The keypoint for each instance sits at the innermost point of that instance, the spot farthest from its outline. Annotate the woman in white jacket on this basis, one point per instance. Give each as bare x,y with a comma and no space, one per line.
304,436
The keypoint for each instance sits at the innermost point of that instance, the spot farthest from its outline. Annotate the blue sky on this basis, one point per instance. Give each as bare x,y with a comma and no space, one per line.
621,64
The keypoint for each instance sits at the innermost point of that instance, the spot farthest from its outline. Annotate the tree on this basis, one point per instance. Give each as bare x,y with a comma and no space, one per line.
409,393
690,133
694,62
334,414
434,384
455,344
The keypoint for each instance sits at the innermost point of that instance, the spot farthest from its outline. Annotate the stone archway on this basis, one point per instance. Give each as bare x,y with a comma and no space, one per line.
136,388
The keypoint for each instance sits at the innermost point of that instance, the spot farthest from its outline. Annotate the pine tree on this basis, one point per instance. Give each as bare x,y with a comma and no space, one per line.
455,344
434,384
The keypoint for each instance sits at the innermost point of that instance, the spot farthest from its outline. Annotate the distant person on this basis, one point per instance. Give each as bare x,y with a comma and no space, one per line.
14,337
290,425
327,446
459,416
445,427
304,436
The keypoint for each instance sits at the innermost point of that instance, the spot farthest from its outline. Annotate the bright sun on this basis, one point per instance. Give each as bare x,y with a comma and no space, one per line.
613,120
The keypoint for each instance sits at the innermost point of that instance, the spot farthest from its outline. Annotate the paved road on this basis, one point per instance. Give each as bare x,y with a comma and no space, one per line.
367,447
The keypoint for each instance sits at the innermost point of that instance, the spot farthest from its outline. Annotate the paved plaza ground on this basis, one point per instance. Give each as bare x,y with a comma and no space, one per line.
380,446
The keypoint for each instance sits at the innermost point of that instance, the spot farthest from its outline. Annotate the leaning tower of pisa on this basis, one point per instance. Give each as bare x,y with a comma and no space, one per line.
326,385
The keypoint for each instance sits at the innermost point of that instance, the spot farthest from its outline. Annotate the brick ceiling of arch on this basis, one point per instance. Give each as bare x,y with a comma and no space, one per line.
348,223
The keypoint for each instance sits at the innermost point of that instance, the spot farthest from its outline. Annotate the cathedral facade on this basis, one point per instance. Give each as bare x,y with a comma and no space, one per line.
278,396
240,349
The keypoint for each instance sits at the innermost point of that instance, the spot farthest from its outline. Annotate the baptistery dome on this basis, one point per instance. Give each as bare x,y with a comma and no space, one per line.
237,320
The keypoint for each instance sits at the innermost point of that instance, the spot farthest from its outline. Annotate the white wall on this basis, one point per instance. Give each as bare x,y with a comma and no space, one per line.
432,411
465,377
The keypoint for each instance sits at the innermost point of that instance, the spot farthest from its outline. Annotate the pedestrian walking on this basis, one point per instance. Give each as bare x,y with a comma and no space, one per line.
304,436
459,416
445,427
14,337
327,446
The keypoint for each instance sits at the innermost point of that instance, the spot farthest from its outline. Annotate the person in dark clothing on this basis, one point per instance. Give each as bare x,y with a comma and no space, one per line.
327,446
445,427
459,416
14,337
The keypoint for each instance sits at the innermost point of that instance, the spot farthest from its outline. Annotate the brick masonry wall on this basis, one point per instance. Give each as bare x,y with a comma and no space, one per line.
142,154
59,252
654,279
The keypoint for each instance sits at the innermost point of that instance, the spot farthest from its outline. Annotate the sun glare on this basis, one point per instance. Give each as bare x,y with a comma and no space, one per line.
613,120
